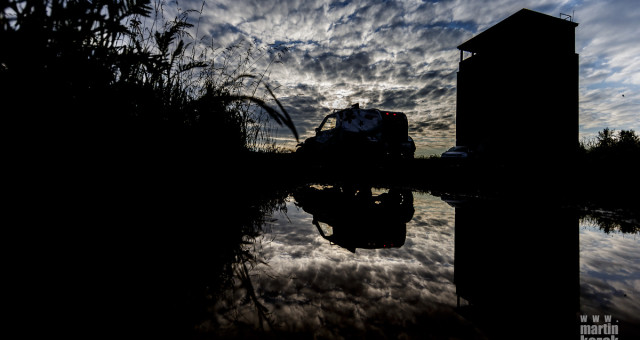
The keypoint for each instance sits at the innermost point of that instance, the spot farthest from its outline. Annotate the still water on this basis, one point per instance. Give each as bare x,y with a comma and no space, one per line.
379,263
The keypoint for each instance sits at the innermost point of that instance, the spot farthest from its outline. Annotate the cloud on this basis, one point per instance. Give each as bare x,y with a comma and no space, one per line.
609,65
402,54
434,123
391,55
607,34
486,13
616,107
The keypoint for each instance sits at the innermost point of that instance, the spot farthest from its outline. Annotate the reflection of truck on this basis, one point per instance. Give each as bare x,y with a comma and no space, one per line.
356,132
355,217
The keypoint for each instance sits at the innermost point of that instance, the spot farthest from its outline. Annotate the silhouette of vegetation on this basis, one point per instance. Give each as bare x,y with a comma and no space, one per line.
607,169
226,285
190,261
122,79
612,221
612,154
97,68
605,172
608,146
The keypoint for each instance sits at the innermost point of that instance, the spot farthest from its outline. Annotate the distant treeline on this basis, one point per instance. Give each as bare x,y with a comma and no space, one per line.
98,68
622,147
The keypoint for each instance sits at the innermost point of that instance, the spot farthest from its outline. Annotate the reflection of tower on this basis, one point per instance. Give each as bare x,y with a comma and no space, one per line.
516,268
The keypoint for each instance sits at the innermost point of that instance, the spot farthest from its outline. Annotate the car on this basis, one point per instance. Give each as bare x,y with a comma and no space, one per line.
457,152
361,133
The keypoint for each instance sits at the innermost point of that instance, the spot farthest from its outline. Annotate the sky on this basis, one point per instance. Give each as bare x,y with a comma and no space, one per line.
402,56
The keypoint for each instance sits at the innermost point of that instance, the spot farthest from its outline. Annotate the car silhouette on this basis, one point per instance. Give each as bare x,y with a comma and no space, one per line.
361,133
457,152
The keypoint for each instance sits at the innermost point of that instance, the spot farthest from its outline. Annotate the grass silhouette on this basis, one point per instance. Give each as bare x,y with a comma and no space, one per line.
116,115
92,70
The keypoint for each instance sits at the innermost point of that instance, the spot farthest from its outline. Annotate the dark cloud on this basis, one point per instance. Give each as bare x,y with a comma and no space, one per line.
403,54
437,123
306,111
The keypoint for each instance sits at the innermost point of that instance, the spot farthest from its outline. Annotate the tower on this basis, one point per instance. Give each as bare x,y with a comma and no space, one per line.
517,94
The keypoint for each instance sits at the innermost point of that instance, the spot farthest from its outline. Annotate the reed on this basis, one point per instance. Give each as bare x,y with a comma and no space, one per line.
113,64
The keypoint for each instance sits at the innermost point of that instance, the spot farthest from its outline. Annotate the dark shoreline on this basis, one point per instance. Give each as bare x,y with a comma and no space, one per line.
579,183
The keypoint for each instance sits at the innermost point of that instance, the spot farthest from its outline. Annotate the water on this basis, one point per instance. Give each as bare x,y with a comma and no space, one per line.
345,262
610,274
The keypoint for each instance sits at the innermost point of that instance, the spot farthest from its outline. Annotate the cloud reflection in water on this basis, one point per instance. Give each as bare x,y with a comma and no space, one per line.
311,286
610,274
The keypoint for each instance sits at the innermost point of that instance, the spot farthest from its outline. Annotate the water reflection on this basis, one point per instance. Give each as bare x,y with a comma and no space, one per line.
610,268
353,217
312,289
622,221
516,265
459,268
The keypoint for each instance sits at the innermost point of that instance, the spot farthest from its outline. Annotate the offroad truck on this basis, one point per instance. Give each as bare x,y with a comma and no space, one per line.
361,134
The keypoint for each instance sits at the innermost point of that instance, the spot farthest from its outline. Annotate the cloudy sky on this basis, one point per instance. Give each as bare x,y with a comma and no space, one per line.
402,55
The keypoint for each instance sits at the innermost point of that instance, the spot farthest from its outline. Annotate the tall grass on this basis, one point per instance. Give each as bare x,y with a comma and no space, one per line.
127,73
101,66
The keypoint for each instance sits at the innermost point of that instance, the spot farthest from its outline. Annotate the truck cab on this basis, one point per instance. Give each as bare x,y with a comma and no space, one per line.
356,132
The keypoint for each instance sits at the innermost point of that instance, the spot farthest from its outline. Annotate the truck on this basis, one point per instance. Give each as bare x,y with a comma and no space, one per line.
360,134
